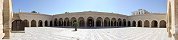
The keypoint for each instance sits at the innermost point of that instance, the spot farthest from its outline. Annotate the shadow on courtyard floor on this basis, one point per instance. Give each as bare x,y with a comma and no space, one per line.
91,27
18,31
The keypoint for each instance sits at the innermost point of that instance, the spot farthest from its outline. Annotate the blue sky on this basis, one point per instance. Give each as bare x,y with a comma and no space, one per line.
117,6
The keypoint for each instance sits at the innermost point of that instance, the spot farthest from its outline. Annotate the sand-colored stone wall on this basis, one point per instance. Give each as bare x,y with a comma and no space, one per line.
149,17
158,17
32,16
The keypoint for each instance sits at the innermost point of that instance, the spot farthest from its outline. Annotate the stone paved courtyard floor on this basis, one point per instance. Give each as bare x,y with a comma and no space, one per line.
52,33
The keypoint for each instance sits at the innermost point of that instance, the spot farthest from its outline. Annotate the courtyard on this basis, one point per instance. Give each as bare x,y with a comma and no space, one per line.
127,33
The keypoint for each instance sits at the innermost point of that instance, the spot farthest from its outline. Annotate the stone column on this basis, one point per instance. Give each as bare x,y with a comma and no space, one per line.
43,23
126,23
62,23
94,22
116,23
150,24
1,20
131,23
48,23
85,23
37,23
136,23
29,23
142,23
110,23
103,23
158,24
107,24
7,18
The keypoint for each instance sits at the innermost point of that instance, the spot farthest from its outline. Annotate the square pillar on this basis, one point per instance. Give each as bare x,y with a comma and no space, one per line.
94,23
43,23
131,23
29,23
110,24
142,23
136,24
85,23
37,23
158,24
7,18
150,24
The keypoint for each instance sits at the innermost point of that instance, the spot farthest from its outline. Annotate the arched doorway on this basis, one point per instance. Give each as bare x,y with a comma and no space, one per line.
46,23
124,22
55,22
33,23
90,22
26,23
106,22
40,23
139,23
120,22
60,22
134,24
99,22
66,22
154,24
73,20
81,22
51,23
146,23
113,22
129,24
17,25
162,24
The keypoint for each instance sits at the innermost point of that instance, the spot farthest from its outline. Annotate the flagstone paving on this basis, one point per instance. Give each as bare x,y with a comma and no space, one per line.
52,33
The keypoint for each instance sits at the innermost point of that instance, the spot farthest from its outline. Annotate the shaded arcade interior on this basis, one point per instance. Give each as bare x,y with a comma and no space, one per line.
88,23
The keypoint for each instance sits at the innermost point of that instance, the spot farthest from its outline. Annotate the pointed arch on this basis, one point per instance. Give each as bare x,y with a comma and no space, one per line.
146,23
99,22
124,22
51,23
90,22
154,24
17,25
139,23
162,24
133,23
113,22
40,23
46,23
73,19
55,22
81,21
33,23
106,22
60,22
66,22
120,22
129,24
25,23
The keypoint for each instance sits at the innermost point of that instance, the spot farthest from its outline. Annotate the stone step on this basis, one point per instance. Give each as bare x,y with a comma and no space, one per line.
1,32
1,28
2,35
